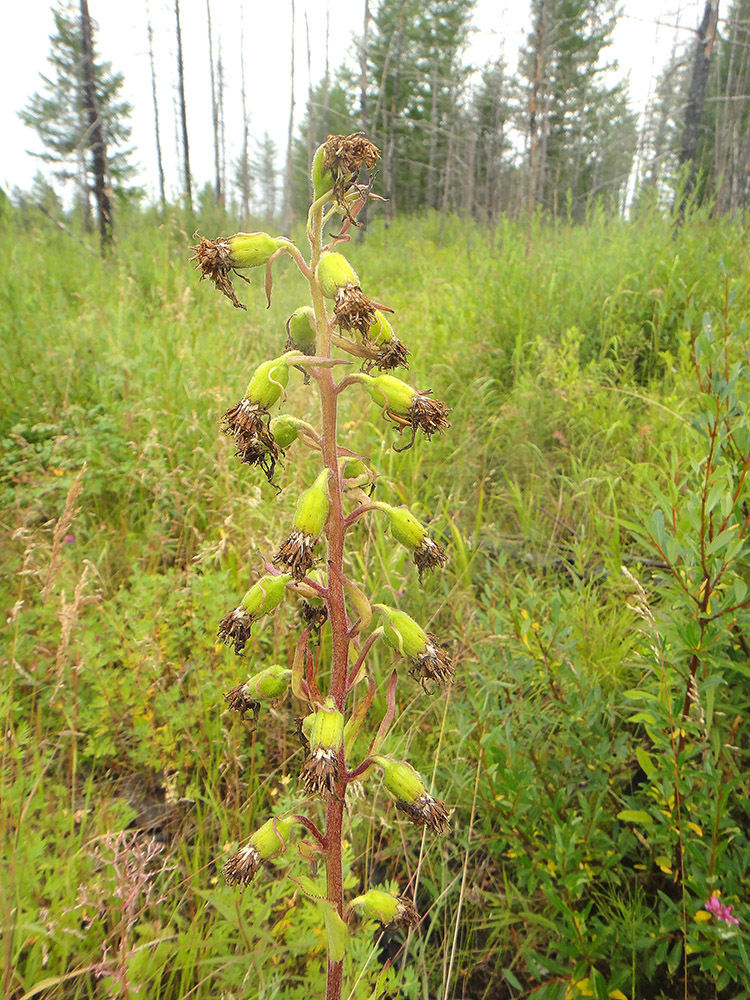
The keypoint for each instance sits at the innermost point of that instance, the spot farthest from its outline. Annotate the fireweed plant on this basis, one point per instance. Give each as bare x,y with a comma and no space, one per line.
310,564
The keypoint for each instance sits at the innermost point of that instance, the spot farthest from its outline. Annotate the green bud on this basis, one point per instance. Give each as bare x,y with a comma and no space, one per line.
381,331
306,725
301,329
328,727
402,632
254,249
268,382
321,176
265,595
390,391
334,272
387,908
405,528
285,429
313,506
269,684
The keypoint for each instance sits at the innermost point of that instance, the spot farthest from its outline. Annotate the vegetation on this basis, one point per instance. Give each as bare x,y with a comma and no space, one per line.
593,747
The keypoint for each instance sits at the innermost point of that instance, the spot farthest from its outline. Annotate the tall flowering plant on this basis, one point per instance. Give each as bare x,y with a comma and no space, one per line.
310,562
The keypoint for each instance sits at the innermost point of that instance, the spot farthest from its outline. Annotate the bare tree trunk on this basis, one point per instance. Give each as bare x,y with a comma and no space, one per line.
183,113
696,98
222,134
311,115
84,191
431,178
539,42
390,158
214,107
244,173
160,164
287,224
96,133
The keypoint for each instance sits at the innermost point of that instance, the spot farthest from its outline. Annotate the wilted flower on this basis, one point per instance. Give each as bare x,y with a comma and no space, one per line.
268,842
353,310
247,421
411,794
338,163
406,406
267,685
406,529
320,772
217,259
388,351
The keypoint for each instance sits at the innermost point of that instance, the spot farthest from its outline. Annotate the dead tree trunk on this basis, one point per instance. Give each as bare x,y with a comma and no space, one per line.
287,225
326,79
96,133
214,107
160,164
539,42
363,117
696,98
183,113
244,171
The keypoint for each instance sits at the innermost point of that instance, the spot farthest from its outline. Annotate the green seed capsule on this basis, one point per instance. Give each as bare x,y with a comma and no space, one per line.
402,632
387,908
254,249
328,728
269,684
285,429
320,175
301,329
354,468
391,392
313,506
270,839
381,331
401,780
268,382
334,272
265,595
405,528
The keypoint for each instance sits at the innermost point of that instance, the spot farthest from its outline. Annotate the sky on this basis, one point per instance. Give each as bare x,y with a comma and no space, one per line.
643,41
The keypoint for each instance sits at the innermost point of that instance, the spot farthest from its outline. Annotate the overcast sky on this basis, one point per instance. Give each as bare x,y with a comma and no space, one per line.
643,41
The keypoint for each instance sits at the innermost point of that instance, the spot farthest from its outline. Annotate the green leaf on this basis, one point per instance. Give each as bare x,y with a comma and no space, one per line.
646,762
637,816
337,932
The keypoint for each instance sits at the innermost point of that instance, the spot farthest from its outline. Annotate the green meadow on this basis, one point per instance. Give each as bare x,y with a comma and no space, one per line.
592,495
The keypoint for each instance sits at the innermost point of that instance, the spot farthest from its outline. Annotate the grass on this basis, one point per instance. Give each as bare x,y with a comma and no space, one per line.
565,357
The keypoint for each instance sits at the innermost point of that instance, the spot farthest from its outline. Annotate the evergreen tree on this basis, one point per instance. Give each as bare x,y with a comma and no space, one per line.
580,132
59,114
493,171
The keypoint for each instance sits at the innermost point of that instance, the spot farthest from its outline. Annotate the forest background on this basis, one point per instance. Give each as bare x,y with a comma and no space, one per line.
577,281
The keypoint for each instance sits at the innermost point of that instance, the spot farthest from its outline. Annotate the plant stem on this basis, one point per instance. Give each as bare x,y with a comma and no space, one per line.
335,532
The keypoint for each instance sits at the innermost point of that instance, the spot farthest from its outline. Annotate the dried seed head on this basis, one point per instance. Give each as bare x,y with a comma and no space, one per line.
314,615
426,811
387,350
240,700
254,444
320,771
353,311
433,664
297,554
387,908
428,415
429,554
344,155
242,867
234,629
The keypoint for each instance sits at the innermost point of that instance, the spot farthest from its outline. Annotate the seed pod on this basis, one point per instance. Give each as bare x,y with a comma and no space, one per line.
405,406
301,332
268,382
262,598
429,661
297,552
247,421
267,685
335,273
320,771
387,908
268,842
285,430
411,794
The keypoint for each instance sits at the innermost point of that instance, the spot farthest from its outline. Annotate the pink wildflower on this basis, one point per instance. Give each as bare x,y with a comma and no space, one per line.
721,912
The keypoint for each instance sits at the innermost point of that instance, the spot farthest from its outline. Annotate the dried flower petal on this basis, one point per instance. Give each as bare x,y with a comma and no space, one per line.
234,629
242,867
239,700
426,811
320,771
247,423
434,664
297,554
353,311
429,554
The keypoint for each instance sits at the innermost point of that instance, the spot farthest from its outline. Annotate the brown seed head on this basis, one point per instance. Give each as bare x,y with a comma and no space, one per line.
344,155
434,664
353,311
238,700
234,629
428,415
215,262
406,914
247,423
320,771
242,866
296,554
426,811
429,554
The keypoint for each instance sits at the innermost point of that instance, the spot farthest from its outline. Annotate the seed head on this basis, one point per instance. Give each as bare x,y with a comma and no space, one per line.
406,529
406,406
429,661
262,598
296,553
344,155
320,771
388,351
267,685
